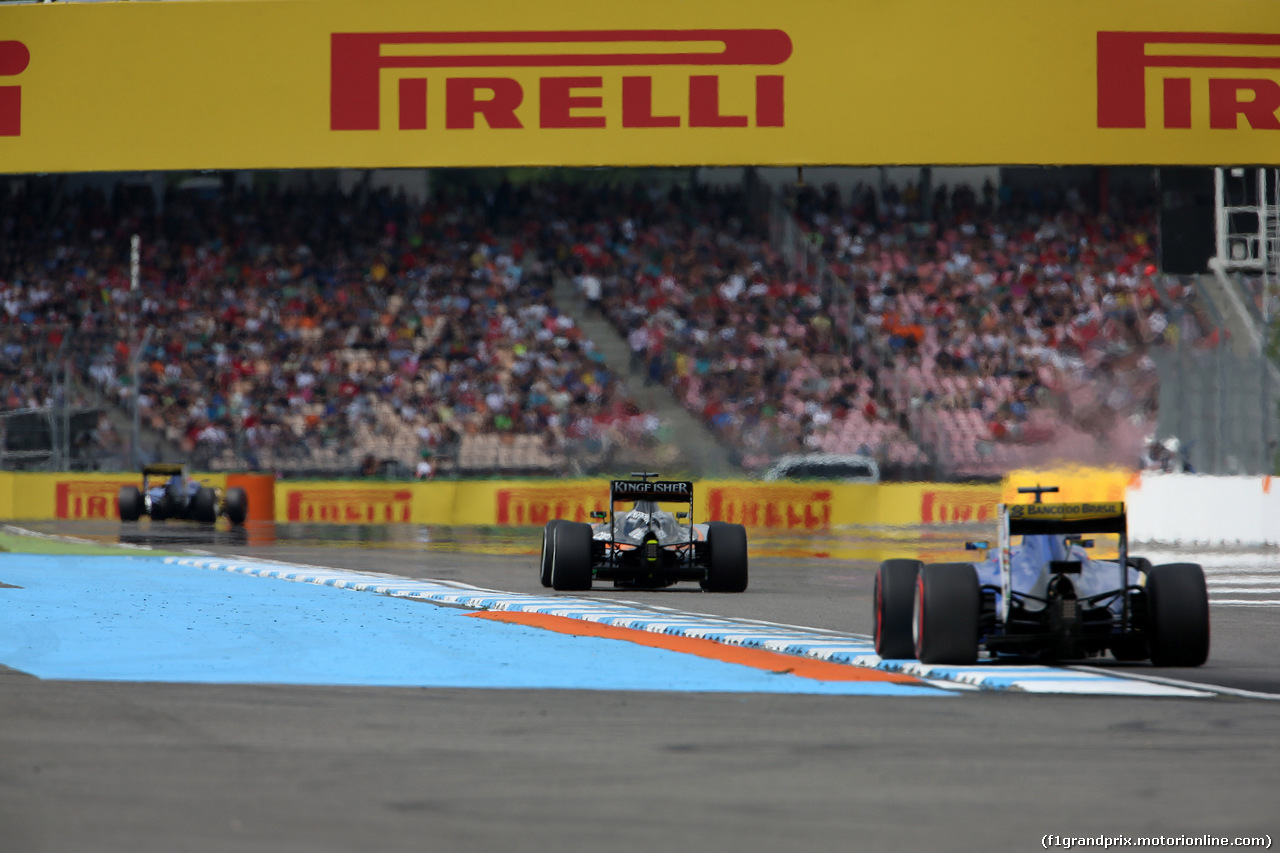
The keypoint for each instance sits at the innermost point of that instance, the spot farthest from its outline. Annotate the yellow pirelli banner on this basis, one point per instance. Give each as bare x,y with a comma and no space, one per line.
71,496
524,503
237,84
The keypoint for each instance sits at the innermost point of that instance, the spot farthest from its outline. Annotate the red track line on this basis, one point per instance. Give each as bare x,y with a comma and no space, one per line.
819,670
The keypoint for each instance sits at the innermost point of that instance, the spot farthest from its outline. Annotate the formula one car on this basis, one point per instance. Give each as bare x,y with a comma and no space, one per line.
1045,599
167,492
645,547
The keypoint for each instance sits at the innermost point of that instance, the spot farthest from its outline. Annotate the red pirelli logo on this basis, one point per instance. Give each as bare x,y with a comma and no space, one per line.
538,505
357,61
350,506
1124,58
14,59
949,506
785,508
87,499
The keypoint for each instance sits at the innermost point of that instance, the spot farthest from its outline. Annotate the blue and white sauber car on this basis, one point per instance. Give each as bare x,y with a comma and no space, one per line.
168,491
1045,598
645,547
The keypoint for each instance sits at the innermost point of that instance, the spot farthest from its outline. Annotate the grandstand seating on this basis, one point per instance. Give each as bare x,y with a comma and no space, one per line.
302,332
305,332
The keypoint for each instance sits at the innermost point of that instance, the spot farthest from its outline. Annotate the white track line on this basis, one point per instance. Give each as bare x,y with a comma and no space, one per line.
1244,602
1177,682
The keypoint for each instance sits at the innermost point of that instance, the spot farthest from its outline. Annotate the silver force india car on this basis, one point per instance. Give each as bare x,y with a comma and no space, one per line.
1045,599
645,547
167,492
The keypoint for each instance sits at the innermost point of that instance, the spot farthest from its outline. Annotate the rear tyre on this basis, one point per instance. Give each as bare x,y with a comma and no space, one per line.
130,500
948,605
162,507
544,560
571,556
204,505
1178,615
894,599
726,558
237,505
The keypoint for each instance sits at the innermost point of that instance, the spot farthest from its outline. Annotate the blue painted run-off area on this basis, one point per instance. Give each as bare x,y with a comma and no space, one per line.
138,619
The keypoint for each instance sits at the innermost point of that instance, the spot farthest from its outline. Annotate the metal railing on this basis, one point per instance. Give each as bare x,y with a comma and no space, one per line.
1221,407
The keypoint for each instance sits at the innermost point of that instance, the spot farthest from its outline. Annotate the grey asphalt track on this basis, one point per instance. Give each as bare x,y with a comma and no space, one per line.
162,767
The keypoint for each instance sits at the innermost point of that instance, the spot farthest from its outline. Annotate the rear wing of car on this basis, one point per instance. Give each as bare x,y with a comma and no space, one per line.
1058,519
662,491
1051,519
658,491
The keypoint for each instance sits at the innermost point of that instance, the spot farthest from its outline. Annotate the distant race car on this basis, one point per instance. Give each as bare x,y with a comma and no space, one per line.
645,547
167,492
1045,599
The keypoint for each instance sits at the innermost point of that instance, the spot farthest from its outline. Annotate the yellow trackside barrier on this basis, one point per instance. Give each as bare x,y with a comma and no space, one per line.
520,503
71,496
350,503
790,506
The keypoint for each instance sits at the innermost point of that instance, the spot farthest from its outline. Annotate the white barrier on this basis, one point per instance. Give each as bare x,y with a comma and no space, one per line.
1191,509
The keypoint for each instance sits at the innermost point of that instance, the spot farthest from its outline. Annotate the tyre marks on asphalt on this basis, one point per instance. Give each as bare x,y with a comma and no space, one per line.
808,643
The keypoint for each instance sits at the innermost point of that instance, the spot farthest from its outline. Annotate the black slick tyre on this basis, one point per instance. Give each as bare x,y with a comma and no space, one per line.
948,605
571,556
544,559
894,598
130,500
726,558
162,508
1178,615
236,504
204,506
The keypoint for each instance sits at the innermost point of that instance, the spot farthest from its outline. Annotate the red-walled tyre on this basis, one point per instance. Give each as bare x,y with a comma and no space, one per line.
948,606
894,598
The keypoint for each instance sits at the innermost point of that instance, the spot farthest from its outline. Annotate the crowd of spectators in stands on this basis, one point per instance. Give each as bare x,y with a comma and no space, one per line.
1028,314
314,325
980,332
303,328
711,309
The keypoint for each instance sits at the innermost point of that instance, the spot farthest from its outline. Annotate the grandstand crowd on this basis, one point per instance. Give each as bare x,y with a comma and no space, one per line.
983,331
314,330
304,330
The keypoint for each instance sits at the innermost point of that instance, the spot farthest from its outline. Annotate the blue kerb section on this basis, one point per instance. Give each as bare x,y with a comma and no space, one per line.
434,657
855,651
147,619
